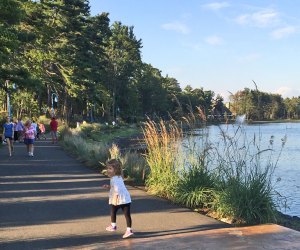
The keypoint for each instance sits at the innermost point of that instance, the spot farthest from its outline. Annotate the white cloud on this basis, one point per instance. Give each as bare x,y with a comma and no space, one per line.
262,19
283,32
216,5
176,26
214,40
196,46
249,58
288,92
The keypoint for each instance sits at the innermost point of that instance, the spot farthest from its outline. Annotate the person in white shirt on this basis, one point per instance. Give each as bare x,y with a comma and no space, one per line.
34,125
119,196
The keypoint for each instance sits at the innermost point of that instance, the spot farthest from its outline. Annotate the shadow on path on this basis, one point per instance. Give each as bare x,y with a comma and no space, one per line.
53,201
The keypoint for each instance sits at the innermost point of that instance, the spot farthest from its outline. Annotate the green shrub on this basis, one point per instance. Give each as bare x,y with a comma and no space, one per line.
195,188
247,201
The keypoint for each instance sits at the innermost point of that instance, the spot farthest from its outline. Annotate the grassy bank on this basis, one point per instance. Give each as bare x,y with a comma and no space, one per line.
228,180
93,145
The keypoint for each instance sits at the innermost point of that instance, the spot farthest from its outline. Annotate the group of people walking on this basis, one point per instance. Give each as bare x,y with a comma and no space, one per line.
27,132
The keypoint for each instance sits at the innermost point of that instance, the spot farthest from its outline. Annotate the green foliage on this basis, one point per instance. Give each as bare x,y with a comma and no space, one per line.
124,58
25,102
152,95
292,106
11,14
105,133
249,200
257,105
195,188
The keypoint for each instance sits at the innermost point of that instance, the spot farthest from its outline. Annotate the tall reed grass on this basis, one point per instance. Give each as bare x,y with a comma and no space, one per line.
163,144
232,176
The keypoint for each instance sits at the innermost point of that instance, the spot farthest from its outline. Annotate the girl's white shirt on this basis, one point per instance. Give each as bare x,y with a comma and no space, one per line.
117,187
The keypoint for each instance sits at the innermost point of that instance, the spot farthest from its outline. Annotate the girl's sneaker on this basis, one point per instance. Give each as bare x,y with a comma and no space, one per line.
127,234
110,228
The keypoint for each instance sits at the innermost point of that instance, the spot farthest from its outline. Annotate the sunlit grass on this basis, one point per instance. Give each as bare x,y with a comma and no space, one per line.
95,154
163,146
232,177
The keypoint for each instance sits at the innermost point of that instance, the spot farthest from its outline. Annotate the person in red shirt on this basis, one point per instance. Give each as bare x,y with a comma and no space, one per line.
53,129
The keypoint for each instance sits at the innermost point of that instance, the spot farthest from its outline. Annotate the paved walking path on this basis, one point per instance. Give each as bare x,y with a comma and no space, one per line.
51,201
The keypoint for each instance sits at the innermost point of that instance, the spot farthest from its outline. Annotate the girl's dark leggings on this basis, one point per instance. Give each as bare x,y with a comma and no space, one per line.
126,211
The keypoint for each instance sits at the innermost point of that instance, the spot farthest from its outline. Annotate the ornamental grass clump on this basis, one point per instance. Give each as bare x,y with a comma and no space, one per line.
195,188
245,183
248,200
163,157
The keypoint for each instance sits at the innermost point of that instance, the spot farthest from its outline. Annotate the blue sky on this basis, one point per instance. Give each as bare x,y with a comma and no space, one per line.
217,45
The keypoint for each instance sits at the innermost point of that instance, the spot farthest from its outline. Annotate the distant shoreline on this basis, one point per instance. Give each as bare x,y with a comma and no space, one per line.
275,121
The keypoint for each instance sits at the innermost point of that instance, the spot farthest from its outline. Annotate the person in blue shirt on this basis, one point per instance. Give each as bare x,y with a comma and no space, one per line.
8,131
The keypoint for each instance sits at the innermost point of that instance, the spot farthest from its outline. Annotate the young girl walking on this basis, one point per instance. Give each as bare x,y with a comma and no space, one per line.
29,135
8,131
119,196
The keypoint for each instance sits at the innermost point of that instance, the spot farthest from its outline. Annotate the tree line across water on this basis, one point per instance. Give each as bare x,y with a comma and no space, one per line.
57,58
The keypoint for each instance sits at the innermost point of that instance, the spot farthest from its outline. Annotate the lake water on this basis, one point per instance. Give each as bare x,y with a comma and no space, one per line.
288,166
